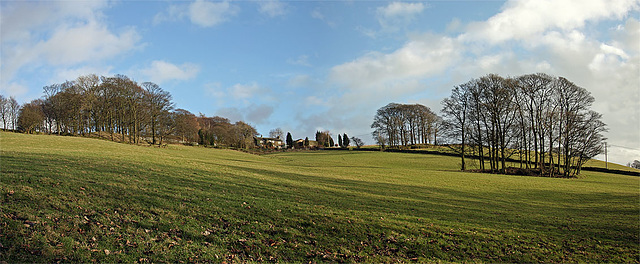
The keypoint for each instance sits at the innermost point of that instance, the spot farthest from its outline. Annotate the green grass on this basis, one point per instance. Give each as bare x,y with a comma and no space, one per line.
81,200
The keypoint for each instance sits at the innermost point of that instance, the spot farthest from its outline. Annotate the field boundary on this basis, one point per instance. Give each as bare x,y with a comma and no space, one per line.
410,151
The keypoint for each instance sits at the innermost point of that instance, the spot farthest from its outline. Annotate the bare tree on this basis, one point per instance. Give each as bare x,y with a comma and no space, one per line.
243,134
158,103
14,110
186,125
455,110
404,124
4,110
547,116
276,133
357,141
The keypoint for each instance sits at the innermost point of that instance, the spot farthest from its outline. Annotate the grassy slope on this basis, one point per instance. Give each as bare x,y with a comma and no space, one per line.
64,198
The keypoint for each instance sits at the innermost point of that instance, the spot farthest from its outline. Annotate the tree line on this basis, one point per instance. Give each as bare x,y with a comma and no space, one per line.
122,109
545,121
398,125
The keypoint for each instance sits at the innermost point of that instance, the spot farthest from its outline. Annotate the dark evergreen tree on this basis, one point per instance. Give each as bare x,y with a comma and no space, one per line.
345,140
289,140
340,140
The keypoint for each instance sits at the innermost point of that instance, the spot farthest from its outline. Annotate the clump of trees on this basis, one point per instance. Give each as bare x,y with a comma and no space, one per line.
324,139
219,131
9,112
124,110
398,125
343,140
545,121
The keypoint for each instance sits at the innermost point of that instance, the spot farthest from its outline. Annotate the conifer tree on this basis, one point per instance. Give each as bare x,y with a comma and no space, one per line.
289,140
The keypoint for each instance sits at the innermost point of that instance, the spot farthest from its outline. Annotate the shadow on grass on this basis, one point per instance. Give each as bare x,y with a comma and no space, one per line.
244,213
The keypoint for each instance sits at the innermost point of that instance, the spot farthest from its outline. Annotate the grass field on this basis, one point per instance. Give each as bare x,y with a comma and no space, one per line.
82,200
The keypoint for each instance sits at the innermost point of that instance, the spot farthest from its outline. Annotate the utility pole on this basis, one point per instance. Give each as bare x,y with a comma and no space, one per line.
606,160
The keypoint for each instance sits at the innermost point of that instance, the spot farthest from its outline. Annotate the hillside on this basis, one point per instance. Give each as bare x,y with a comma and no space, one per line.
81,200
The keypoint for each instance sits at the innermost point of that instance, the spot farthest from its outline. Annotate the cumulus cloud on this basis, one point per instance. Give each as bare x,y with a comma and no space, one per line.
162,71
13,89
526,20
397,14
59,33
245,91
208,14
23,19
202,13
421,57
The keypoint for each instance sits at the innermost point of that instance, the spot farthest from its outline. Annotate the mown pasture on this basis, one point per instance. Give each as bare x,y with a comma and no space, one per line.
75,199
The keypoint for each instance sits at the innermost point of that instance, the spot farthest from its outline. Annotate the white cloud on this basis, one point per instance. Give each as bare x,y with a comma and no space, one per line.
162,71
314,100
272,8
65,74
400,9
92,41
21,20
60,34
202,13
208,14
173,13
419,58
214,89
13,89
301,80
398,14
244,91
528,19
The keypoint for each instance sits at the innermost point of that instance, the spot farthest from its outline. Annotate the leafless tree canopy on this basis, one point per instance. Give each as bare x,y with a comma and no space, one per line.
546,122
402,124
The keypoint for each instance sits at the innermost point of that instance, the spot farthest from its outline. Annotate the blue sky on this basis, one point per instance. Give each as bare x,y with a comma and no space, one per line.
327,65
